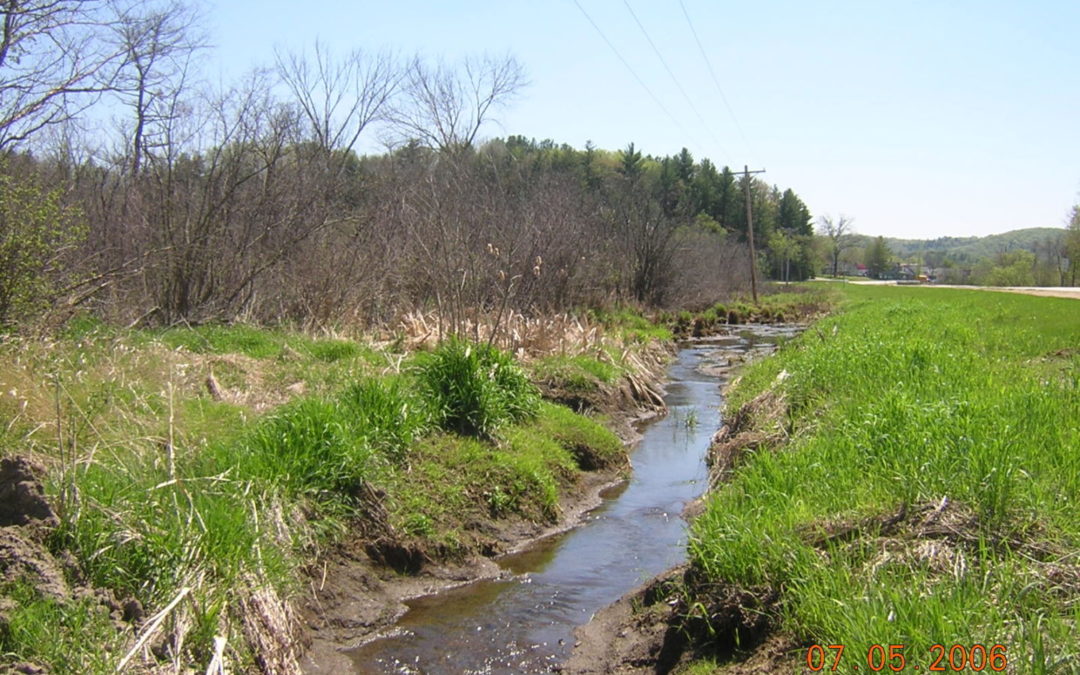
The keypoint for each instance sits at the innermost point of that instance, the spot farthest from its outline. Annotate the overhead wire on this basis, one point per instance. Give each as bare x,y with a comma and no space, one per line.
674,78
712,72
630,68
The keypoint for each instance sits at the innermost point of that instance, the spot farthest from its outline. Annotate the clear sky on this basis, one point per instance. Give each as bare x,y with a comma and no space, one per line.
919,118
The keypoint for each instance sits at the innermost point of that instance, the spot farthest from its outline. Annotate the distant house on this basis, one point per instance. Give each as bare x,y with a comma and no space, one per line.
860,270
900,272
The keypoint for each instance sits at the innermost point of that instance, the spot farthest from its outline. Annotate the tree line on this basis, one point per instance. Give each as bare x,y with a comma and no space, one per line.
1034,257
131,188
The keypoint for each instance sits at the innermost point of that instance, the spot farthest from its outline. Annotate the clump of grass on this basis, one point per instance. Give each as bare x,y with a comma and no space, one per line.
475,389
387,414
309,446
913,398
330,351
255,342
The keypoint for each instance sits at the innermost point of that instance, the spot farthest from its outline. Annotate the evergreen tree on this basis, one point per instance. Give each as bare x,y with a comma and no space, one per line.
877,258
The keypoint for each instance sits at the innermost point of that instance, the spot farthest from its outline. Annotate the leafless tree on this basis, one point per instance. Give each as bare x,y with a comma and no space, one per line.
158,41
838,234
445,107
53,63
339,98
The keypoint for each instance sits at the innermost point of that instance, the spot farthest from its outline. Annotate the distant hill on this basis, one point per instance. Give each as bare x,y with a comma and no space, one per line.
971,249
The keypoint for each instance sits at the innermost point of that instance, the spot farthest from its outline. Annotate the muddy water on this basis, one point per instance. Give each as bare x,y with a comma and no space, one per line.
524,624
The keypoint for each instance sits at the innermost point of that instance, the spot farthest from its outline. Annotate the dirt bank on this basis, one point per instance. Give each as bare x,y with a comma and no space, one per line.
356,592
653,629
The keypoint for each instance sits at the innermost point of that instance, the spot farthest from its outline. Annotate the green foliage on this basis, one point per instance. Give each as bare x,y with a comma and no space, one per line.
877,258
1072,244
387,414
36,231
909,397
966,249
475,389
1014,268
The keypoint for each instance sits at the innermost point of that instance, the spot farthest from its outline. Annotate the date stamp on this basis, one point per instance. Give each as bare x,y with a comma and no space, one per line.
893,658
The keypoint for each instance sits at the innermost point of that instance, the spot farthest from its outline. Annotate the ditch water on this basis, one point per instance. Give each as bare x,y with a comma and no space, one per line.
525,624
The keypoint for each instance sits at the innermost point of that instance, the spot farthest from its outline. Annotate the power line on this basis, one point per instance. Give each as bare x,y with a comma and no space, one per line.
633,72
712,72
674,79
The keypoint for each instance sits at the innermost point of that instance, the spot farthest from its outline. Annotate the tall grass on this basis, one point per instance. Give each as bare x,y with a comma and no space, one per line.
475,389
179,494
907,399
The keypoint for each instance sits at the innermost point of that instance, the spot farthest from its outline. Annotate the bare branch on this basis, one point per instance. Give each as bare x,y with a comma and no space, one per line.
446,107
339,98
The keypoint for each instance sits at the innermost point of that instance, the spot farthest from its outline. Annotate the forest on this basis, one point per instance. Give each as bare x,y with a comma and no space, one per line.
333,189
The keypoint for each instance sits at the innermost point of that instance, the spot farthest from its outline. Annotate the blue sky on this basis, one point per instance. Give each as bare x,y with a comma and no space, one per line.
919,119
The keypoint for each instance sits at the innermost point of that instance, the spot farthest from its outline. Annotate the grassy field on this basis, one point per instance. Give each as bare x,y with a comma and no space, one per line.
928,489
197,472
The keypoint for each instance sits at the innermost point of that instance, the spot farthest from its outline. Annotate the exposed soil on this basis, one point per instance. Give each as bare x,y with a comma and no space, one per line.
26,521
654,629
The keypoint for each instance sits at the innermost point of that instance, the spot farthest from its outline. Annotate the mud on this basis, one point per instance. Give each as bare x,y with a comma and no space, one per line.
26,519
654,629
353,596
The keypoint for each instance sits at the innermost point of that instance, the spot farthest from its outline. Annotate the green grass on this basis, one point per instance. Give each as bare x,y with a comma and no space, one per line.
474,389
257,483
35,626
906,397
453,480
579,374
630,324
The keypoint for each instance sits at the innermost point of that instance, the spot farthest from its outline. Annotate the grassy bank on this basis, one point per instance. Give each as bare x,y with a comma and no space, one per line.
195,475
926,490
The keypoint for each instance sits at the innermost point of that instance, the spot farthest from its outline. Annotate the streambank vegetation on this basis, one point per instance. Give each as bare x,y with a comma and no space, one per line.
904,473
172,498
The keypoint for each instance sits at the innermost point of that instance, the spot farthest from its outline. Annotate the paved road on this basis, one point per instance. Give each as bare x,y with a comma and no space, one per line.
1054,292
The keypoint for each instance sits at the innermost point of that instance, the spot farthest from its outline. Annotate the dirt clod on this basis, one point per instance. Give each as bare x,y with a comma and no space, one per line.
23,559
22,497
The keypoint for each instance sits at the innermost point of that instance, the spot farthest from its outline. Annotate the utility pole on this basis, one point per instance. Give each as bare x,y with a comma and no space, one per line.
750,229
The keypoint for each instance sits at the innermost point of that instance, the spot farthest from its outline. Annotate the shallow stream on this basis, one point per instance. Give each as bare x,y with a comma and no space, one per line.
525,624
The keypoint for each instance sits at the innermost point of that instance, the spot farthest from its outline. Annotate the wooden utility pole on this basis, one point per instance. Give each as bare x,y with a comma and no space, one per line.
750,229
